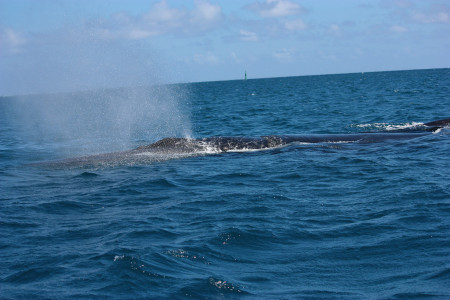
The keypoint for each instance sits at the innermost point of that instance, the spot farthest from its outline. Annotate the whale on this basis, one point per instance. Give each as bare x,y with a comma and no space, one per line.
237,143
178,147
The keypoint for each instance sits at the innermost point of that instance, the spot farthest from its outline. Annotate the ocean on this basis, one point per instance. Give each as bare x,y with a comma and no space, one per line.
301,221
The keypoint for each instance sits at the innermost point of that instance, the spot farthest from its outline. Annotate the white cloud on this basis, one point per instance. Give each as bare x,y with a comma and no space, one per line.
206,58
14,38
207,12
160,19
275,8
126,33
426,13
396,4
11,41
161,12
137,34
235,57
248,36
284,55
432,17
295,25
335,30
163,19
398,29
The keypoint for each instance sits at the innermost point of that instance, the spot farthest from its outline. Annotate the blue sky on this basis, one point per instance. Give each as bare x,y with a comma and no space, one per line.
63,45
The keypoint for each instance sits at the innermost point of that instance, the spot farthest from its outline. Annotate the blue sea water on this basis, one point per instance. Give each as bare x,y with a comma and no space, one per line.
322,221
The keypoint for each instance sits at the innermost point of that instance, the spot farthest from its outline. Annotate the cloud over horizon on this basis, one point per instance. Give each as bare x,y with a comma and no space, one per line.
161,19
275,8
211,40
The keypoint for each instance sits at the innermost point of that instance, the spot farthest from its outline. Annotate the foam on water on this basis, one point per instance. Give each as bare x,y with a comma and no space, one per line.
389,126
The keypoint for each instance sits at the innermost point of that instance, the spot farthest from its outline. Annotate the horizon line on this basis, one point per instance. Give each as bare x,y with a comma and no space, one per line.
207,81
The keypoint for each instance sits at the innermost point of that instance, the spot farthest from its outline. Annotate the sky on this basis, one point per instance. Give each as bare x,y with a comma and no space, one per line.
70,45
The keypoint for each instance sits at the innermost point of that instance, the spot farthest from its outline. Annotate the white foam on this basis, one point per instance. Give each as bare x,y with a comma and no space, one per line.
389,127
250,149
208,149
261,149
118,257
439,130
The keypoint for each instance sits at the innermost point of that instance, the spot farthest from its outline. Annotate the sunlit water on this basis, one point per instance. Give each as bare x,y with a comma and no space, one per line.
349,221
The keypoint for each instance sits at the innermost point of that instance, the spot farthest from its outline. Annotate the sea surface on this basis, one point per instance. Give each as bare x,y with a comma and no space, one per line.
303,221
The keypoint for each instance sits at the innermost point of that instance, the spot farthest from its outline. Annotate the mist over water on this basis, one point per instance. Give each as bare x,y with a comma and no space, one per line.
102,120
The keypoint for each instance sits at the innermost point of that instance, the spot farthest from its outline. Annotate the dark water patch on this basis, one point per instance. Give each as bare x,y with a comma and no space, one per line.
34,273
64,207
234,177
444,275
420,220
17,225
358,229
325,294
154,235
127,191
256,210
87,175
162,182
398,246
399,275
418,295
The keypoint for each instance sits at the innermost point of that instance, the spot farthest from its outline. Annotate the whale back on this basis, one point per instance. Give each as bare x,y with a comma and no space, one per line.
172,143
439,123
